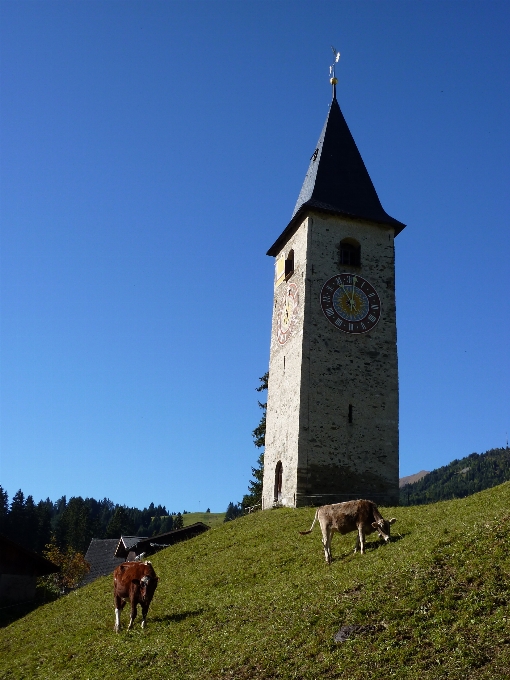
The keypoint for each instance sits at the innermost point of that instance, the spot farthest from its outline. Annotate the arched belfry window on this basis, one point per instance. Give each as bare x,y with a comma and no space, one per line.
350,252
289,265
278,478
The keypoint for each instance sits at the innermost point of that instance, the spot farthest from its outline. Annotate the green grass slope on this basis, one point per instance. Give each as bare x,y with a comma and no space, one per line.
253,599
212,519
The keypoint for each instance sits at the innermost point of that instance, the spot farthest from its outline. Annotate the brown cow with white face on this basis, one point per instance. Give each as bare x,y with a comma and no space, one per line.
361,515
136,582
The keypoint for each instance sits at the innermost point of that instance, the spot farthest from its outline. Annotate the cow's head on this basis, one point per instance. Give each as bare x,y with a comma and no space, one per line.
148,585
382,527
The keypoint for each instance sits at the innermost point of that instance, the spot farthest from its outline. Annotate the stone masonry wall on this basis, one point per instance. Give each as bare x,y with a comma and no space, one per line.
339,460
320,370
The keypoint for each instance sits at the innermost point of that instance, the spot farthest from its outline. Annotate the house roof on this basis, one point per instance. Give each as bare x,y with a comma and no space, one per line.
101,557
15,559
337,181
127,542
155,543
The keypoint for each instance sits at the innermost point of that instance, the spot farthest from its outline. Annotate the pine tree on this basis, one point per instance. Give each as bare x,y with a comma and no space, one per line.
119,524
167,524
4,511
155,526
178,521
254,495
31,522
44,512
234,510
74,527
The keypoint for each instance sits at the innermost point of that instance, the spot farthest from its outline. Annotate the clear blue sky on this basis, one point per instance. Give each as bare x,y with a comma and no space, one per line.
151,152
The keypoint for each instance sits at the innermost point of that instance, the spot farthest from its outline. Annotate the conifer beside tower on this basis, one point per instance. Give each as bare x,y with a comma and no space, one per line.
332,408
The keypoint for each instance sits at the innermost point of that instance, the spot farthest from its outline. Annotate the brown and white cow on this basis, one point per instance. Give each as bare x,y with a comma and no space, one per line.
361,515
136,582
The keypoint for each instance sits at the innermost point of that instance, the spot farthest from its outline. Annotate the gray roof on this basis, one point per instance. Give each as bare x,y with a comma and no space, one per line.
129,541
337,181
101,557
155,543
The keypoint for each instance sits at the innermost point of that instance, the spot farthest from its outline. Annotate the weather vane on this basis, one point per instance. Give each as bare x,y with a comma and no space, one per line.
332,76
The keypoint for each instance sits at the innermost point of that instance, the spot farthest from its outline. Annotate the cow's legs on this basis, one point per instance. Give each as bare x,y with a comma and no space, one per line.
357,543
133,613
119,605
361,539
145,609
326,542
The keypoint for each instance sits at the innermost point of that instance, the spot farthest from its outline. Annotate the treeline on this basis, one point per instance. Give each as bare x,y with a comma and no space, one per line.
73,523
459,478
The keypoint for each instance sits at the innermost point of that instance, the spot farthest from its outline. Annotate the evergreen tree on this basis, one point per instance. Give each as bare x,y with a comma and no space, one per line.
74,527
31,523
4,511
120,524
16,529
178,521
154,526
254,495
44,512
234,510
167,524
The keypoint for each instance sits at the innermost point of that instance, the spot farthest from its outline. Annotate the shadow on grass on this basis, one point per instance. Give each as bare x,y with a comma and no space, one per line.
11,613
181,616
370,546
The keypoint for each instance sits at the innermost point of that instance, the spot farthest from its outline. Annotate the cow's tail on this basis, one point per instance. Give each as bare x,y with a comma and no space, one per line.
303,533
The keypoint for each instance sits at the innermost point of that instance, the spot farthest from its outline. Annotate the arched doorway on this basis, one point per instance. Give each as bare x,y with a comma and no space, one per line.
278,478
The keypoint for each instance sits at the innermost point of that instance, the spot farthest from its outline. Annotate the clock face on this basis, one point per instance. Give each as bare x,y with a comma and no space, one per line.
287,313
350,303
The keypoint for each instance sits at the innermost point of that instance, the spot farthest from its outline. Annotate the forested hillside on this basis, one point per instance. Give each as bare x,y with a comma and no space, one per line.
460,478
75,522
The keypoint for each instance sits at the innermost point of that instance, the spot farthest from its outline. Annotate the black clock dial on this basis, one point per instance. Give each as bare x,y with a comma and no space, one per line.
350,303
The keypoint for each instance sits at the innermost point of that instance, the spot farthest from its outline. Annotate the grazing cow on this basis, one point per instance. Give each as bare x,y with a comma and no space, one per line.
362,516
136,582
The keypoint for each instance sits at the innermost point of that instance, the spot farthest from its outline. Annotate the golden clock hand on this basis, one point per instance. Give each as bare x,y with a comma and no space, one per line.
354,279
346,294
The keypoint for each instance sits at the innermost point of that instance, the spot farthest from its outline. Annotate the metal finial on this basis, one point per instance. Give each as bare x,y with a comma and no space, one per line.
333,79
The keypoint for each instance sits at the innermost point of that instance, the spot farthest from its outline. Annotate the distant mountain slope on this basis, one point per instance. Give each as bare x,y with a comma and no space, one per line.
459,478
410,479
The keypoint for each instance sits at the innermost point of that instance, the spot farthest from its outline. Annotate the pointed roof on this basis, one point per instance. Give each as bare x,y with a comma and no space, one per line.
337,181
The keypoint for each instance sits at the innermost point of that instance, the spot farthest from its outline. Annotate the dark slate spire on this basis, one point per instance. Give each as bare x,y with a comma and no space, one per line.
337,181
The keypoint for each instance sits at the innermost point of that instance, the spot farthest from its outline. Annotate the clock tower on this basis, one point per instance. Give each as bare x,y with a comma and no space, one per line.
332,409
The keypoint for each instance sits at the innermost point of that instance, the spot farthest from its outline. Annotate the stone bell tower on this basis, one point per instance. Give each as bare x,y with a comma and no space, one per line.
332,411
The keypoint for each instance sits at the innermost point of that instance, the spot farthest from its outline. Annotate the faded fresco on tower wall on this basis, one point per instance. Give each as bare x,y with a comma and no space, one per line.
285,366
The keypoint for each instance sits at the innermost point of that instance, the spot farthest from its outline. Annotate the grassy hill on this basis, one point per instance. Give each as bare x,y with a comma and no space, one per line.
460,478
252,599
212,519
